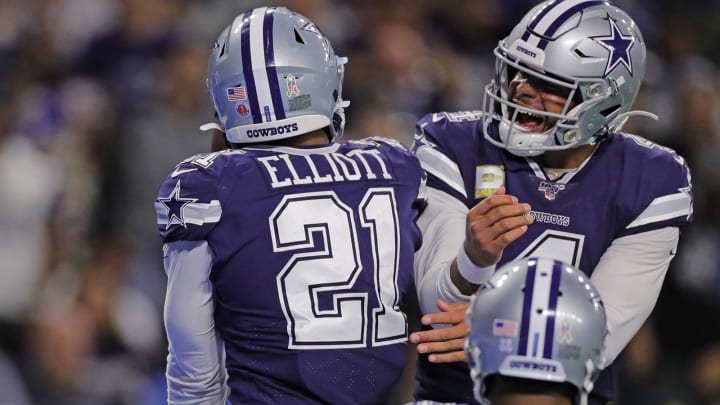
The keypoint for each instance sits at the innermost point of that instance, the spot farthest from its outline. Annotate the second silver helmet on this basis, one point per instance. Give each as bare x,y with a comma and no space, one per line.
538,319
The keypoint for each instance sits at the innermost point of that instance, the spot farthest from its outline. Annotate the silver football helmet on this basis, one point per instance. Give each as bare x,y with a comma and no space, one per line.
538,319
272,75
592,52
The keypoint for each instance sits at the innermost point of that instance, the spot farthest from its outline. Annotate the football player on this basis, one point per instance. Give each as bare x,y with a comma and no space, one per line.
544,170
537,331
288,255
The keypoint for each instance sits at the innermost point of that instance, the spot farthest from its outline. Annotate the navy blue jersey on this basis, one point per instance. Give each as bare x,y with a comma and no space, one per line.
629,185
312,256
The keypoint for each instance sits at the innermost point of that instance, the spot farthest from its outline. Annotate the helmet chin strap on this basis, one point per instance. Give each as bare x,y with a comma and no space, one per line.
588,383
337,121
339,115
209,126
618,122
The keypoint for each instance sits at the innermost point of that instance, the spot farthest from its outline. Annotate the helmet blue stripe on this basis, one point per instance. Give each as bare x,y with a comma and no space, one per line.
539,17
247,69
563,18
551,308
270,64
526,307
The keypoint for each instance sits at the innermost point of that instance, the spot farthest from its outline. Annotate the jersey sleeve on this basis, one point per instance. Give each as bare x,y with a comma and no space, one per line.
663,190
188,204
437,138
443,229
438,159
195,371
631,261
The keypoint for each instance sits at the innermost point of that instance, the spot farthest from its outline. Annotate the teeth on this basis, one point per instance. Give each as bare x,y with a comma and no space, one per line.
534,116
530,114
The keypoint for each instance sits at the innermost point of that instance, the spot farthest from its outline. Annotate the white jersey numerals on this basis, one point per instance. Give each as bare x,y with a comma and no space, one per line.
563,246
315,287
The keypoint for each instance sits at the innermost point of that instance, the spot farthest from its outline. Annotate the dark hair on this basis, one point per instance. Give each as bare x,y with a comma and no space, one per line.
499,385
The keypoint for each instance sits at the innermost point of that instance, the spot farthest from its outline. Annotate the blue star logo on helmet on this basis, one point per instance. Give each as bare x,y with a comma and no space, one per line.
619,46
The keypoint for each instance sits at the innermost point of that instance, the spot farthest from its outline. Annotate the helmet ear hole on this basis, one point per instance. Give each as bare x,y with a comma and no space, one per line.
610,110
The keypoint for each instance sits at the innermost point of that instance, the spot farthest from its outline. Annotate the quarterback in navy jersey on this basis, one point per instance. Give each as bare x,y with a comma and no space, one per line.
544,170
287,258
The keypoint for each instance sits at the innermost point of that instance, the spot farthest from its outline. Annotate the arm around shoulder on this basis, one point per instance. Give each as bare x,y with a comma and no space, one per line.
443,228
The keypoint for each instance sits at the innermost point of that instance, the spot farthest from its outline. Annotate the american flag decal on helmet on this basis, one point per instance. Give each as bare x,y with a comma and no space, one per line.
504,327
236,93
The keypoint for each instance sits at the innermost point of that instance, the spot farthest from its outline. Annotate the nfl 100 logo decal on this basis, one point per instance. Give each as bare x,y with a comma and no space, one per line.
550,190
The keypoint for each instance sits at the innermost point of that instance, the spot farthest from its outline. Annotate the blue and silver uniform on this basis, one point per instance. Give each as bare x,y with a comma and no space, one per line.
311,256
577,216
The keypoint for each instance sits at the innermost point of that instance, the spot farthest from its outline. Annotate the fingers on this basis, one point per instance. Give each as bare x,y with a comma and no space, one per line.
453,314
459,330
443,318
497,231
493,224
444,344
494,201
491,213
448,357
452,306
500,198
440,352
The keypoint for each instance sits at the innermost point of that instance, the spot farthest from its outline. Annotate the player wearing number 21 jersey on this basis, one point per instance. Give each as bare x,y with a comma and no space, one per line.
288,255
303,256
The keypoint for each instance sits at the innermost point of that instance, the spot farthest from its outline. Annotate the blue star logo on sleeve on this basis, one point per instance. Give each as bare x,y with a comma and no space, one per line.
175,206
619,46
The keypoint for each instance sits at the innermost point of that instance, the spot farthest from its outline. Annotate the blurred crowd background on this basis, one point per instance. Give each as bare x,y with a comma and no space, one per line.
99,99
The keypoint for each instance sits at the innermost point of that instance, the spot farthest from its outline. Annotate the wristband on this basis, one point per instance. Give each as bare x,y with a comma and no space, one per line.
471,271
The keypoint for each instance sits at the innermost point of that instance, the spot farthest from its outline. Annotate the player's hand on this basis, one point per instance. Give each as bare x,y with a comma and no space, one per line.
492,225
444,344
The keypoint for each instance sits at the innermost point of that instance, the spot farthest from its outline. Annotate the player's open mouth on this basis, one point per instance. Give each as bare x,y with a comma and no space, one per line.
530,121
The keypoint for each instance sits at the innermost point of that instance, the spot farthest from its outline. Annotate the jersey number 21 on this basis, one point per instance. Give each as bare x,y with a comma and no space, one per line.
320,228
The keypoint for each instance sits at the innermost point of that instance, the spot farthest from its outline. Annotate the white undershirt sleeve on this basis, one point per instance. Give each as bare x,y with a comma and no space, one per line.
196,360
443,228
629,278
